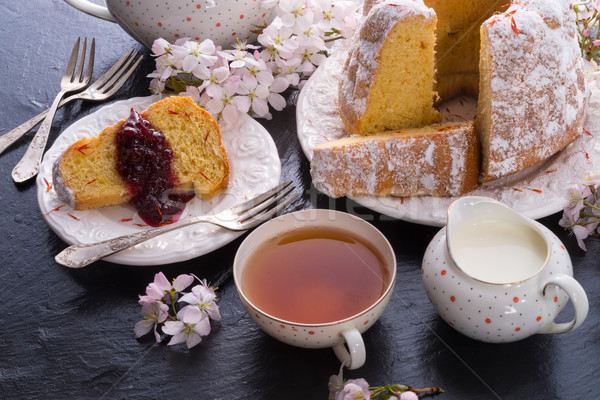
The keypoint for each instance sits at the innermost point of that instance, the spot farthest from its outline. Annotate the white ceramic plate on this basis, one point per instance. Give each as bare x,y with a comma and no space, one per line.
254,168
539,191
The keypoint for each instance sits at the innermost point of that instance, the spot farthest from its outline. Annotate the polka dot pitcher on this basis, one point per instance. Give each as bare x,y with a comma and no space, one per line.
147,20
497,276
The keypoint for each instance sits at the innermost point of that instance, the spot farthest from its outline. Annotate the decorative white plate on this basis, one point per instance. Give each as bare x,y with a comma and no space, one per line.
537,192
254,168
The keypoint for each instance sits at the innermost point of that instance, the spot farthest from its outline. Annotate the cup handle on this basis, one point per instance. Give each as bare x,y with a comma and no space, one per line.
93,9
355,357
578,298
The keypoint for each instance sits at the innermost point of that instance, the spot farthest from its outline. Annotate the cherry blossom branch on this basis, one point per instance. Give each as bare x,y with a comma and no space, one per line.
342,389
251,78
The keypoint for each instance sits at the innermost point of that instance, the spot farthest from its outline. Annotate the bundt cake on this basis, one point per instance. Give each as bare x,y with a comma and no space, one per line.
154,159
532,94
524,64
435,160
389,74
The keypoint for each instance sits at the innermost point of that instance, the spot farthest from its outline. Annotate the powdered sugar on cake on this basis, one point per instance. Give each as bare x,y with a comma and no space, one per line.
533,57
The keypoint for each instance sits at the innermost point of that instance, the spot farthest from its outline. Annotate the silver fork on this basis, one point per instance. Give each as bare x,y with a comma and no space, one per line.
241,217
71,81
101,89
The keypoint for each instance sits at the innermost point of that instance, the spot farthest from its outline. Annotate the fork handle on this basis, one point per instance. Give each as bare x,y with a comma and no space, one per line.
12,136
80,255
29,165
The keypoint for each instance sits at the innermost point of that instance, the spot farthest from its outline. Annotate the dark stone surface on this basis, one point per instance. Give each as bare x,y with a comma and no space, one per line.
69,333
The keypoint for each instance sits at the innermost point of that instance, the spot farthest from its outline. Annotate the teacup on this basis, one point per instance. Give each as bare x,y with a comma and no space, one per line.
497,276
343,334
149,20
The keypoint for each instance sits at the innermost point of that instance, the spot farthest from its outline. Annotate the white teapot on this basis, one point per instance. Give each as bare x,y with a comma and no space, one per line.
147,20
497,276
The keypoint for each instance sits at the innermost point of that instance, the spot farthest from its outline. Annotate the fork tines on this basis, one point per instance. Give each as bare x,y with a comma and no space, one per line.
262,207
119,72
79,73
255,201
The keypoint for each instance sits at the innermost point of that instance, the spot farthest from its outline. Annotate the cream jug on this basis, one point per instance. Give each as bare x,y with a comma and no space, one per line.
221,21
497,276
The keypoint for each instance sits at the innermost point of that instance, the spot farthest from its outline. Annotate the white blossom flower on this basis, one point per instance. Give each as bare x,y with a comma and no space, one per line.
204,298
295,14
195,57
277,42
351,22
332,13
154,313
224,105
216,77
259,70
253,96
276,100
190,326
165,68
310,55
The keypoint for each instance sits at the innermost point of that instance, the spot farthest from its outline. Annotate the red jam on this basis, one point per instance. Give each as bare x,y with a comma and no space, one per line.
144,162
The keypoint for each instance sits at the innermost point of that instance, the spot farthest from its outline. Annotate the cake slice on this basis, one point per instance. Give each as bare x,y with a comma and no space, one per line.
533,95
387,81
173,147
436,160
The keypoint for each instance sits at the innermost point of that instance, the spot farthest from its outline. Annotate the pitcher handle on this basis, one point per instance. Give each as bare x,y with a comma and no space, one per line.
355,357
578,298
93,9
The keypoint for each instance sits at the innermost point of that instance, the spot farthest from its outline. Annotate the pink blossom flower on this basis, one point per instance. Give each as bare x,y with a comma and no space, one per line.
582,215
409,396
353,389
161,287
580,233
161,47
190,327
154,313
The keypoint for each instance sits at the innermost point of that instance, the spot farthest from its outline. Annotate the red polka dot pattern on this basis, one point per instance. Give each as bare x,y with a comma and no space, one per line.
153,19
498,313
